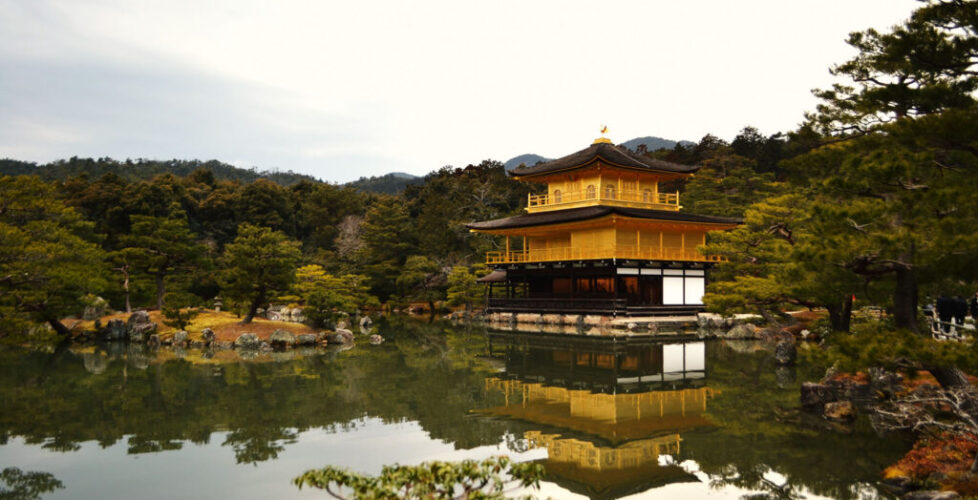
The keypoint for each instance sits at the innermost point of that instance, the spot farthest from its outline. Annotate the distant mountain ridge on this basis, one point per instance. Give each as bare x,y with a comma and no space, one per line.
140,170
392,183
528,159
651,143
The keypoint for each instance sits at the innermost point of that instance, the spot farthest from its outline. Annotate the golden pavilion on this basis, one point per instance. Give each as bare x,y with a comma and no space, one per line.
602,239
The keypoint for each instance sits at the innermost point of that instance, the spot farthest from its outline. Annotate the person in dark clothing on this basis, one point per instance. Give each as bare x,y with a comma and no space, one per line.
973,305
960,309
945,310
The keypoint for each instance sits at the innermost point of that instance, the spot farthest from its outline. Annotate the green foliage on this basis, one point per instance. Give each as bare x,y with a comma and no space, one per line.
430,480
388,238
257,265
390,184
18,485
161,247
922,66
325,296
462,287
875,344
726,185
143,169
421,278
451,197
48,258
179,310
778,258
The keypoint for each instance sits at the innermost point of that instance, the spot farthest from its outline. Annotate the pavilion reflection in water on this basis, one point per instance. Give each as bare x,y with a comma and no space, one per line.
607,410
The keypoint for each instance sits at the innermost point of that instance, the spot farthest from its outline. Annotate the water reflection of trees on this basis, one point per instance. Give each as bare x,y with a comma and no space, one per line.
755,438
426,372
430,373
762,432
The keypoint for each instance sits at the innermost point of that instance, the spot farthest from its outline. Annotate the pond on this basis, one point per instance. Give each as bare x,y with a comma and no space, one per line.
608,419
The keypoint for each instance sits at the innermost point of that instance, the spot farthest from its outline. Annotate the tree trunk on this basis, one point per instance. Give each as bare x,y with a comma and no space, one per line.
252,310
840,315
160,290
60,328
949,376
125,287
905,300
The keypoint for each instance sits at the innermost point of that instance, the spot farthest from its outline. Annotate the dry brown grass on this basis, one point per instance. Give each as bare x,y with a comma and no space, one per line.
226,325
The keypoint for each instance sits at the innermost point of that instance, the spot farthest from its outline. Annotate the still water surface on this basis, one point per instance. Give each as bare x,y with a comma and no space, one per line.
607,419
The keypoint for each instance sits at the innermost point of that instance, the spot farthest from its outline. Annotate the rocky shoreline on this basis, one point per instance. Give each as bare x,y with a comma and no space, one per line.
139,329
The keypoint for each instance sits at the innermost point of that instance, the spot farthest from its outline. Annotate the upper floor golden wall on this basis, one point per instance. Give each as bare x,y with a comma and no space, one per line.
603,185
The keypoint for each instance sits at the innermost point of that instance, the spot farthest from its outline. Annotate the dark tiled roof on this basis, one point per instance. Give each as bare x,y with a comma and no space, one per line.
611,154
587,213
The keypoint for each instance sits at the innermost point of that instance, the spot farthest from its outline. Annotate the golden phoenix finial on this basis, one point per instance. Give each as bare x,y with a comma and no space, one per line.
604,129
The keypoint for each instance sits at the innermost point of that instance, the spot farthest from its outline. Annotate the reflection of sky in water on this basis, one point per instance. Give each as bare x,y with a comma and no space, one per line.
210,470
683,420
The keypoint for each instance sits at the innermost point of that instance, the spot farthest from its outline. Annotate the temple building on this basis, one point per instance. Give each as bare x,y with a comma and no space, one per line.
602,239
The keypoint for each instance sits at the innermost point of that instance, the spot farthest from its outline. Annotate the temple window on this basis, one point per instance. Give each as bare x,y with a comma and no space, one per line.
609,192
647,196
556,196
591,192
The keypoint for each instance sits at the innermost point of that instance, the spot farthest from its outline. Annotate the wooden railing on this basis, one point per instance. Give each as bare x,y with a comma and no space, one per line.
619,252
641,199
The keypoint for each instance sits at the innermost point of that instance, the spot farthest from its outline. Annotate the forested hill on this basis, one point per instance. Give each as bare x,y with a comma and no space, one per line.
142,170
528,159
392,183
651,143
654,143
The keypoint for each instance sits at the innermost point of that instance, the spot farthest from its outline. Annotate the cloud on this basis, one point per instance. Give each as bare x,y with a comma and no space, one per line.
343,89
57,109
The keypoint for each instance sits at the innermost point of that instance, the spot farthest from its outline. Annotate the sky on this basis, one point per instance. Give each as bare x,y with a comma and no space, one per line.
340,90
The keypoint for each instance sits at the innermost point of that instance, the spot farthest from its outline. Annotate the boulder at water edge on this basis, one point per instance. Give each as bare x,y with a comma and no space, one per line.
282,338
95,309
306,339
785,353
114,330
180,338
840,411
742,331
247,341
376,339
140,327
365,324
207,335
340,336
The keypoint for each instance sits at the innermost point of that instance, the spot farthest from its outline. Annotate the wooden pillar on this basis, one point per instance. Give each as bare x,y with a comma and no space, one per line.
506,259
619,194
660,243
682,243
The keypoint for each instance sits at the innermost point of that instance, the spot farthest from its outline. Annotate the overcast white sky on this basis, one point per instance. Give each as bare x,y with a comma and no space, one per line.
343,89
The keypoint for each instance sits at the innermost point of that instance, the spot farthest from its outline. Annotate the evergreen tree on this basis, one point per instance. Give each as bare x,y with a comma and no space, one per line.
388,240
259,264
463,290
421,278
325,296
48,258
161,247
